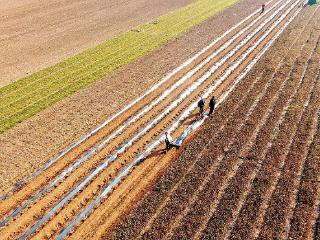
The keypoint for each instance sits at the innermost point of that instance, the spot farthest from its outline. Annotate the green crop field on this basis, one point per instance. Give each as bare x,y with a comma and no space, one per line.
28,96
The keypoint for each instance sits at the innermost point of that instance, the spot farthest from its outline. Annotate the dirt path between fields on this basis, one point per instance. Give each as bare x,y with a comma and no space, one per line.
30,144
35,34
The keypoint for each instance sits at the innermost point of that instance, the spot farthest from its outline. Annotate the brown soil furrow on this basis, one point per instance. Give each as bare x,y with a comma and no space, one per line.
154,197
252,202
276,220
236,182
167,214
241,184
308,196
86,195
48,175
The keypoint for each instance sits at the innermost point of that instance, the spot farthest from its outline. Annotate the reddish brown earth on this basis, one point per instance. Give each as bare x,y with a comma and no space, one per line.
36,34
253,171
28,145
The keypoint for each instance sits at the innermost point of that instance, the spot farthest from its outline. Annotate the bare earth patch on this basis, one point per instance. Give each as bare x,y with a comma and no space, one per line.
36,34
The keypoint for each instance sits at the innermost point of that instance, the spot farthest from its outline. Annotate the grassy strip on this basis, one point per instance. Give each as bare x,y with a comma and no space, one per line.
28,96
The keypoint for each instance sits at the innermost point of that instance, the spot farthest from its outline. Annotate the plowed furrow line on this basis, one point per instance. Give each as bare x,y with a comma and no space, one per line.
142,218
52,172
215,206
246,216
249,211
302,225
125,172
237,191
166,215
276,220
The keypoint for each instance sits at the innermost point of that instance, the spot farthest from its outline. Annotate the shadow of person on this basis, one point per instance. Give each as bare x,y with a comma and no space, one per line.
190,117
156,153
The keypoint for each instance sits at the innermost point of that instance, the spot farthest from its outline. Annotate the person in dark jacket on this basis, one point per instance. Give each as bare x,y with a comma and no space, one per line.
263,6
212,105
201,106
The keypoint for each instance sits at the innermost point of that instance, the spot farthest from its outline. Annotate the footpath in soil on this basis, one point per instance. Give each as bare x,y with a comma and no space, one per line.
253,170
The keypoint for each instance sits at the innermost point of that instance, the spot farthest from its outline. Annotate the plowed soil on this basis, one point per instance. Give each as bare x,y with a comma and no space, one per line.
252,172
36,34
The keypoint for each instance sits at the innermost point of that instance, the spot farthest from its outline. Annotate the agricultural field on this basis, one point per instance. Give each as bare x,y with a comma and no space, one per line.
249,171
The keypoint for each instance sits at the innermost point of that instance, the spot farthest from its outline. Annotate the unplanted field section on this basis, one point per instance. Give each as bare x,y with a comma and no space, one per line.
252,171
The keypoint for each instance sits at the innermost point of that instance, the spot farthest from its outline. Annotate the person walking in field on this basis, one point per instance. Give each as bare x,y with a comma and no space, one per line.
201,106
212,105
169,142
263,6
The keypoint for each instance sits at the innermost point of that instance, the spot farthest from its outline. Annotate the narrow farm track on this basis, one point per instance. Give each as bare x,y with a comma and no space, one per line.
244,183
88,187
